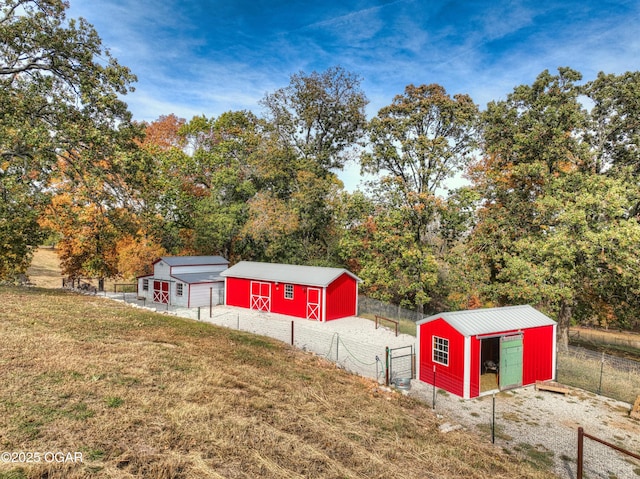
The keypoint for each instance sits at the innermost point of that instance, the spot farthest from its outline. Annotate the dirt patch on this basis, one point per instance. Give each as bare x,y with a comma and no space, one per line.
45,268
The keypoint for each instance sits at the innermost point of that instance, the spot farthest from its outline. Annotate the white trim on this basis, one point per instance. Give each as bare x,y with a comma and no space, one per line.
466,382
554,354
418,353
312,309
433,350
324,305
289,295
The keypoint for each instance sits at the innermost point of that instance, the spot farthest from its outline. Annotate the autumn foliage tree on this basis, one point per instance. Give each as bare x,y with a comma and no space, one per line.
59,99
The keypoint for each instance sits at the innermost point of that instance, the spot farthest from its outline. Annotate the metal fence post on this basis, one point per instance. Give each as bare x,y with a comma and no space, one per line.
433,406
493,420
291,332
601,372
386,355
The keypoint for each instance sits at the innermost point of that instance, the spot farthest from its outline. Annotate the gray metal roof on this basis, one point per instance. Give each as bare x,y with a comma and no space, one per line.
193,260
286,273
191,278
493,320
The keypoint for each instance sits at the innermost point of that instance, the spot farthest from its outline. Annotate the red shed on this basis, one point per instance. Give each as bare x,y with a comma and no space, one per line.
470,353
311,292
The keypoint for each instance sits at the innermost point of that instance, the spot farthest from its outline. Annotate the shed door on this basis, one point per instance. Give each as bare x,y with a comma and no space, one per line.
161,292
313,304
510,361
260,296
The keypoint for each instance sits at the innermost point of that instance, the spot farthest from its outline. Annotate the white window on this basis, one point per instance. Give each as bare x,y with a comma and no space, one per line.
288,291
179,289
145,285
440,350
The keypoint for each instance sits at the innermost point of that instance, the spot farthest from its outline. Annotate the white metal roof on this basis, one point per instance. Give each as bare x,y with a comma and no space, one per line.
192,260
493,320
286,273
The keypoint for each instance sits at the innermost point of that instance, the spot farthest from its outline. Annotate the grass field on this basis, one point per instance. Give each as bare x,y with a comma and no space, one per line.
140,394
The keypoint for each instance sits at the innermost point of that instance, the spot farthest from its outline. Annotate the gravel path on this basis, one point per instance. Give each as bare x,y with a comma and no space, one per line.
538,425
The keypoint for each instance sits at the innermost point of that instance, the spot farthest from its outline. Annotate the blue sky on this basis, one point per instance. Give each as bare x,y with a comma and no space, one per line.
207,57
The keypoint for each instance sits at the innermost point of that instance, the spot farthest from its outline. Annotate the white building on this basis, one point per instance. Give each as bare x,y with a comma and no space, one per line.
187,281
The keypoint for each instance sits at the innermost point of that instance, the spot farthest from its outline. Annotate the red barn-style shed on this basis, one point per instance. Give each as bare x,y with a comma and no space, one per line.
312,292
474,352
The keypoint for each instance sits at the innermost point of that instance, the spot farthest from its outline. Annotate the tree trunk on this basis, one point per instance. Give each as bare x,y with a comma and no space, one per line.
564,321
101,284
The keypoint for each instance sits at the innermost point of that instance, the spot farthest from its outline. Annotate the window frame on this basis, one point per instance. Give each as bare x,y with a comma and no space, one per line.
179,289
288,291
145,285
440,350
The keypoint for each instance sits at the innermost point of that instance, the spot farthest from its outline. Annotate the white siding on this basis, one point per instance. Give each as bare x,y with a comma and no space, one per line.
161,270
198,269
179,300
200,294
141,292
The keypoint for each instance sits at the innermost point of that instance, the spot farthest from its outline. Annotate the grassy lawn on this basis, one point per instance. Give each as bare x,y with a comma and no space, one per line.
141,394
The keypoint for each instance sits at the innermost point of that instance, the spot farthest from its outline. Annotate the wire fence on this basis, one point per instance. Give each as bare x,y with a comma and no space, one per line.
600,373
375,307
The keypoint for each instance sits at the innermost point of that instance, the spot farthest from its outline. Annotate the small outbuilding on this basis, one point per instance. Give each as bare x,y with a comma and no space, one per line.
474,352
312,292
187,281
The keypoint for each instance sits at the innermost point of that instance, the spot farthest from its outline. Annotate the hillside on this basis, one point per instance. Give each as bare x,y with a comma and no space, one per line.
139,393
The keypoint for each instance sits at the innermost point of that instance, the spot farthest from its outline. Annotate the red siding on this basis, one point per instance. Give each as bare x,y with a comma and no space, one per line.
292,307
474,380
238,292
342,296
451,377
537,356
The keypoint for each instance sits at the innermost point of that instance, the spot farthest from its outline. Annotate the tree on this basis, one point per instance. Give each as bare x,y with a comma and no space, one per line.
418,142
230,148
316,124
59,99
319,117
553,230
613,132
531,139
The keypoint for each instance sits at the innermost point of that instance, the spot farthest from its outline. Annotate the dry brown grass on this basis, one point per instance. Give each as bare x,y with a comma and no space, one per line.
146,395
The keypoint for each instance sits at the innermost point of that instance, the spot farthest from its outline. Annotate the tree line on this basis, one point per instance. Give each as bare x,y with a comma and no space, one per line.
549,216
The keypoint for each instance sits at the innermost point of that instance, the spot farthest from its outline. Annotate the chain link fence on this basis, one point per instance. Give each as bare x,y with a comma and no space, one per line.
374,307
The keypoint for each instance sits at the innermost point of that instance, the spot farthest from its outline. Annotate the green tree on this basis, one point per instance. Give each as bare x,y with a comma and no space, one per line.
59,102
530,139
231,151
317,122
418,142
553,230
319,117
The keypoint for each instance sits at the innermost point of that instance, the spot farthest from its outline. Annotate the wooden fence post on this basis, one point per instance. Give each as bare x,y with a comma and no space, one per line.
580,453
